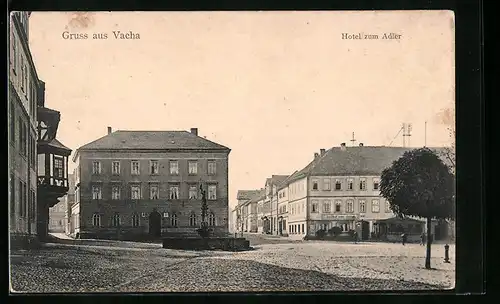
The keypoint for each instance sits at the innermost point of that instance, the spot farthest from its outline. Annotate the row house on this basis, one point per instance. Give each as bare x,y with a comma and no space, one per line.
269,218
246,209
149,182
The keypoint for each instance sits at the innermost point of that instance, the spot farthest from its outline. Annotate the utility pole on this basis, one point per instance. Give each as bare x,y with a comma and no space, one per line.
425,134
353,140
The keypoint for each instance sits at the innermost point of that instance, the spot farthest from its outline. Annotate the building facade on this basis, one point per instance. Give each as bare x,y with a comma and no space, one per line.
32,128
132,183
69,200
22,122
340,188
57,216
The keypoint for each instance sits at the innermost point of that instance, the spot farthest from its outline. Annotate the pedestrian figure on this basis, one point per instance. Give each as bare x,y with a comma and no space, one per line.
403,238
355,236
422,239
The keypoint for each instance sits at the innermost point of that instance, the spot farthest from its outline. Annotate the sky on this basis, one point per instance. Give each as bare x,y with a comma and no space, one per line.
275,87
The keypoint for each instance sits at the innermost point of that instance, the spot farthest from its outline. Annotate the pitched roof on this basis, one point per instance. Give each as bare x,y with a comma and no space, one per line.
364,160
276,179
258,196
246,194
152,140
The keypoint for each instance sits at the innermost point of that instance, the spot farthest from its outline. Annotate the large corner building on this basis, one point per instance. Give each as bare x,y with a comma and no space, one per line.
133,183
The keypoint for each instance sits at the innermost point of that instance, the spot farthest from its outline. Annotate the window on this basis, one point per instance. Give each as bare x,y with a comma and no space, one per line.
315,185
115,168
14,51
115,192
135,220
326,184
362,183
174,167
22,137
376,183
362,206
211,219
96,167
314,207
135,192
192,220
58,167
212,192
212,168
153,192
32,205
173,220
387,207
174,192
12,123
96,220
326,207
375,206
303,230
116,220
350,206
338,206
22,198
193,167
12,194
338,185
96,192
193,192
154,168
25,79
135,167
350,184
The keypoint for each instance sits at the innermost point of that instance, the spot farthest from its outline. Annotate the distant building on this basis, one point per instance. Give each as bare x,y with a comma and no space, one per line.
245,210
271,202
69,200
57,214
131,183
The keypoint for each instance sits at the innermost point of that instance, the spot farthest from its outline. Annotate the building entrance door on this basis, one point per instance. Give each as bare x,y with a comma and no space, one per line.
365,230
155,224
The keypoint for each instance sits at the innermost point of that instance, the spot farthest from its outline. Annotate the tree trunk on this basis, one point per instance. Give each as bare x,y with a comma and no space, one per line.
429,242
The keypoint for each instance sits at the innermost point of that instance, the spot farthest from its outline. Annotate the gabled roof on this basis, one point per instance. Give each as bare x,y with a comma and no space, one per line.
154,140
260,195
246,194
363,160
276,179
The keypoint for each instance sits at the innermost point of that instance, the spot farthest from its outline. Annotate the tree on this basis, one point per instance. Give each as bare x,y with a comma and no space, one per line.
419,184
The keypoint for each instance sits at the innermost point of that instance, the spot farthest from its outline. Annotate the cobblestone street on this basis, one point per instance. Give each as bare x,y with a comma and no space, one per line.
281,266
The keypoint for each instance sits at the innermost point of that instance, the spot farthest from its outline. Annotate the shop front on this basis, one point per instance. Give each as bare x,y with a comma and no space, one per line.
392,228
327,222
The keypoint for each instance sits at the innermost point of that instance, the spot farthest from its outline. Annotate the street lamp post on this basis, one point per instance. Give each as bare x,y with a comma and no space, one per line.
281,225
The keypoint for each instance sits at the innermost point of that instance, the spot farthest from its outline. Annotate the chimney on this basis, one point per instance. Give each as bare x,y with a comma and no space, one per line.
342,146
194,131
360,144
110,130
322,151
316,155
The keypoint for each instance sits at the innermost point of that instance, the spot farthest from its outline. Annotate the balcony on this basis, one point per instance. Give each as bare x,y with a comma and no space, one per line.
52,171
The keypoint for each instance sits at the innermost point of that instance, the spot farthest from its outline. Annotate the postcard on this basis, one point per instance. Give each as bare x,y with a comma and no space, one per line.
248,151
